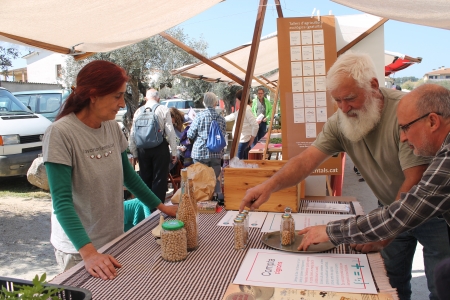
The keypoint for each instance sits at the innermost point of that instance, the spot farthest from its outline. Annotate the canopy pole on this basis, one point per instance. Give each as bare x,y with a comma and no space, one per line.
269,132
242,70
249,74
268,81
207,61
362,36
278,6
275,101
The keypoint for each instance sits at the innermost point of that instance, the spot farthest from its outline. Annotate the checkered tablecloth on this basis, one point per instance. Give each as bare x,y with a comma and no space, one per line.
205,274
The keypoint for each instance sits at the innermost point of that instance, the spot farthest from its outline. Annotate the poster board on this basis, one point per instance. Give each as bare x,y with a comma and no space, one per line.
307,50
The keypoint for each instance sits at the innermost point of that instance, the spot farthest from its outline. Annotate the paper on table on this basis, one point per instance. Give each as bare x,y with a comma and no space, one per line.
256,218
324,271
273,220
260,117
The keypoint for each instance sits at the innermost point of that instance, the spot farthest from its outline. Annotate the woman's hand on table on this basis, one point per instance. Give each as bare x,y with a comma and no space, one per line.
313,235
255,197
170,210
97,264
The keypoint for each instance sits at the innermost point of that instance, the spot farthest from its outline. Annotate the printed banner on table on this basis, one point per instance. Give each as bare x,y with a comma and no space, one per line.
324,271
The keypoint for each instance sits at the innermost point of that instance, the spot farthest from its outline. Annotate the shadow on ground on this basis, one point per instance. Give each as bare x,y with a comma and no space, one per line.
25,238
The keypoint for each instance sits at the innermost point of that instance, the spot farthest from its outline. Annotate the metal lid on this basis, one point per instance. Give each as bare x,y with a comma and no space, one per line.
238,220
172,225
241,215
286,216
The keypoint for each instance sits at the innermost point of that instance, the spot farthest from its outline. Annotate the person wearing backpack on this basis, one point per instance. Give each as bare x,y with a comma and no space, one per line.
151,134
207,133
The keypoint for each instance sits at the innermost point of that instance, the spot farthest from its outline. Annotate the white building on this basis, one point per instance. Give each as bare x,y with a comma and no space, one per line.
44,66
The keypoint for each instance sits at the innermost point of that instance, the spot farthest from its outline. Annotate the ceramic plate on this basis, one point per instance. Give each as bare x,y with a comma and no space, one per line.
272,239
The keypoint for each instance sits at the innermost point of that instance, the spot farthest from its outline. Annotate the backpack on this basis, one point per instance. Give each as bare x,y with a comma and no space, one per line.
147,133
216,142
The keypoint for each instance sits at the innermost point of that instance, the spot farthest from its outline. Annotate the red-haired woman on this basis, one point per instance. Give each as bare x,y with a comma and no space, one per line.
87,165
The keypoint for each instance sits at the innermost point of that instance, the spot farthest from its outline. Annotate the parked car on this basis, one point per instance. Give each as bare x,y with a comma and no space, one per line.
46,102
21,134
185,105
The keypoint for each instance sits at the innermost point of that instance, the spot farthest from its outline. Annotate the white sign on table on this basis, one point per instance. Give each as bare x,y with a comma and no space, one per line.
273,220
256,218
324,271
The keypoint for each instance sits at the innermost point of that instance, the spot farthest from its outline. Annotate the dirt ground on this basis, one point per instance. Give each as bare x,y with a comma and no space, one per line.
25,248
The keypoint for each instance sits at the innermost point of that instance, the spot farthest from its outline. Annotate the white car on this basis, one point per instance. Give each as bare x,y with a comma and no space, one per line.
21,133
185,105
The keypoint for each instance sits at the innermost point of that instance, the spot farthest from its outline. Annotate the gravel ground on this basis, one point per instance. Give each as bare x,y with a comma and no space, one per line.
25,248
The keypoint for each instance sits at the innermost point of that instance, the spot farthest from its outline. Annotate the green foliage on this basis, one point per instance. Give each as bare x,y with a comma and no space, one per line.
444,83
275,140
408,85
6,57
35,292
401,80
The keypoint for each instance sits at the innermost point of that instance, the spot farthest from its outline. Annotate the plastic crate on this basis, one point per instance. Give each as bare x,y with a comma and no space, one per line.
69,292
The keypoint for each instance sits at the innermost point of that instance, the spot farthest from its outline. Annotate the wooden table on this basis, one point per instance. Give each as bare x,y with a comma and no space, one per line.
256,152
205,274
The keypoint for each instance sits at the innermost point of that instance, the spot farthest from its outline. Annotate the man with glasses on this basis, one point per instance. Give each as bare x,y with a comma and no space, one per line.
427,135
366,128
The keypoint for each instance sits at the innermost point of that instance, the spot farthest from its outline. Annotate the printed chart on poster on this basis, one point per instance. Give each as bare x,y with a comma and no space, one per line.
307,49
324,271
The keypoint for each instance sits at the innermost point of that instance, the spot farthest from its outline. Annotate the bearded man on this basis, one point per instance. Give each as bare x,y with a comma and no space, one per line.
366,128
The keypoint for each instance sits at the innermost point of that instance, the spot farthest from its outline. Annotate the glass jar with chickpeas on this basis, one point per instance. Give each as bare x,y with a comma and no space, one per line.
287,230
173,241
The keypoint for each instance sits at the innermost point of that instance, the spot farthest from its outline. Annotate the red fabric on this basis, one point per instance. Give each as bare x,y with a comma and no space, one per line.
397,65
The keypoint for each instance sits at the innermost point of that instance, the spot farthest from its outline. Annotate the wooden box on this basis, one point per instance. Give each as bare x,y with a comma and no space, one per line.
238,180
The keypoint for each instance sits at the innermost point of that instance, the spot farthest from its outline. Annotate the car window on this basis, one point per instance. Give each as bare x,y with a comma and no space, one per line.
190,104
49,102
8,103
163,103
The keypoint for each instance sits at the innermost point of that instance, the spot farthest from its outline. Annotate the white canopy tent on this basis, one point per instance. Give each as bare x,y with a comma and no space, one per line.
91,26
429,13
348,28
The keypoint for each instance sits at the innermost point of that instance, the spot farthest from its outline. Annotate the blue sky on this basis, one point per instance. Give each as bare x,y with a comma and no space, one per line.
231,23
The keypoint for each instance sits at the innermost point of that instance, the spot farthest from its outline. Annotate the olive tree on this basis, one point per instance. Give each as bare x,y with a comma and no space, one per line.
6,57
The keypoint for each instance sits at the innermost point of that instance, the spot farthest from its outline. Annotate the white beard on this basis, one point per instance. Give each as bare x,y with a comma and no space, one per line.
355,128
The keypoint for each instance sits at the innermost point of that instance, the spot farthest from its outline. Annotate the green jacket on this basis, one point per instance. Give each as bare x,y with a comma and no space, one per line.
268,108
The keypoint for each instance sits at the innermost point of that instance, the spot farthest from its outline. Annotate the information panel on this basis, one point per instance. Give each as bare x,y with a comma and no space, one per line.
307,50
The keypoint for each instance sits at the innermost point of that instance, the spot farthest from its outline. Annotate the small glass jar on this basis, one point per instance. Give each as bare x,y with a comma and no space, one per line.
287,210
239,234
246,224
287,230
173,241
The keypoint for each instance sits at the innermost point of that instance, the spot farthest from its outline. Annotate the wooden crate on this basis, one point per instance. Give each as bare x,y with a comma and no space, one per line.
238,180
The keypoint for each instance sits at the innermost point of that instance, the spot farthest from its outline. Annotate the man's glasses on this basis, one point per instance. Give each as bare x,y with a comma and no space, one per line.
406,126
